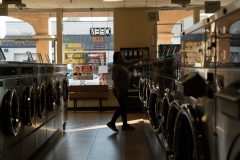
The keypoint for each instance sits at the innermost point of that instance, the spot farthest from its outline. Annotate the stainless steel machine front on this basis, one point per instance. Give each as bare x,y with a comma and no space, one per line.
32,106
193,105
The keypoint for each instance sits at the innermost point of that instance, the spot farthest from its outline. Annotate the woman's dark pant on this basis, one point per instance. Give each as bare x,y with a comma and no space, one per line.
121,110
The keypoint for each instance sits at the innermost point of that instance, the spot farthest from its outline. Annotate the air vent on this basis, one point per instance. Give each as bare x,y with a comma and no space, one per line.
184,2
153,16
212,6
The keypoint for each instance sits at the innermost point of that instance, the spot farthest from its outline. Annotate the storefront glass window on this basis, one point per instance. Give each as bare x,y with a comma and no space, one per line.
88,46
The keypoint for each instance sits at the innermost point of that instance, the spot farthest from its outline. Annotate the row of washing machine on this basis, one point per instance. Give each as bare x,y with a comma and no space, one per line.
32,106
181,127
192,98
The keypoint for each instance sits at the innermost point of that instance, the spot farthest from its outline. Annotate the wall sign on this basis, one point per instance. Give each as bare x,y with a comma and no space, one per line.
98,31
97,39
84,72
102,69
75,58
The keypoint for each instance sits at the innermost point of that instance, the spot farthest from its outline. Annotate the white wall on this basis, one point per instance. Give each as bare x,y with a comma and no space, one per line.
2,29
19,51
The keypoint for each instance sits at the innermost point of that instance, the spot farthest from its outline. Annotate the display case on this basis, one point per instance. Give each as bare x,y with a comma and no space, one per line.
135,70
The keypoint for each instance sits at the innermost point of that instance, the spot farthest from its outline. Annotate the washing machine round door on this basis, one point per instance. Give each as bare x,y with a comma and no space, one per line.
10,113
141,88
152,110
42,102
57,92
65,90
32,109
28,106
189,140
49,97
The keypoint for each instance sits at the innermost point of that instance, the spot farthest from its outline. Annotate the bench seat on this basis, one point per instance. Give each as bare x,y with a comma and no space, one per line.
88,92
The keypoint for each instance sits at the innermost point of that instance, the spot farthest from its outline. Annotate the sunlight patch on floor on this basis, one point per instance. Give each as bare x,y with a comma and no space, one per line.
101,126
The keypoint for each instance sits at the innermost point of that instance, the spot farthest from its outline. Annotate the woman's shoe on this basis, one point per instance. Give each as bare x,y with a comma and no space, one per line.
112,126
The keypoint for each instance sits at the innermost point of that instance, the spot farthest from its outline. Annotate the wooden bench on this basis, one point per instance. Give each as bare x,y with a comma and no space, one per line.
88,92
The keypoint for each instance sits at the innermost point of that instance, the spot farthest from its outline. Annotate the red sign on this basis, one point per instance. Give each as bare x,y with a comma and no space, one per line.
86,69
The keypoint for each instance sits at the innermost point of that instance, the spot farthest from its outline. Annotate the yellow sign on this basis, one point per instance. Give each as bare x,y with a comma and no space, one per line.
72,45
98,38
74,61
73,53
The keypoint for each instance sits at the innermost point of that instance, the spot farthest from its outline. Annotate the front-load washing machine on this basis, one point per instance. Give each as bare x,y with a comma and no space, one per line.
61,89
41,136
10,117
51,111
28,79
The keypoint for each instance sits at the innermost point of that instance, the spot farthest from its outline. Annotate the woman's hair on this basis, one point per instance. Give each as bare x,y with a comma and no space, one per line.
115,56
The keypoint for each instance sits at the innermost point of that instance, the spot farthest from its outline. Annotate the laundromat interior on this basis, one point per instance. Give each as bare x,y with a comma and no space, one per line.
64,65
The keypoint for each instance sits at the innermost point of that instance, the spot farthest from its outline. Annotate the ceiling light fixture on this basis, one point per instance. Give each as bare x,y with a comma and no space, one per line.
112,0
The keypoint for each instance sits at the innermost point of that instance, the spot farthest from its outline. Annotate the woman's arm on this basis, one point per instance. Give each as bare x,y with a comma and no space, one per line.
132,62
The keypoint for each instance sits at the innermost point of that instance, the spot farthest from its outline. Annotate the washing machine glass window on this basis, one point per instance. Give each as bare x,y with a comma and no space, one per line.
49,97
28,106
57,93
32,105
10,113
42,102
141,89
153,115
65,90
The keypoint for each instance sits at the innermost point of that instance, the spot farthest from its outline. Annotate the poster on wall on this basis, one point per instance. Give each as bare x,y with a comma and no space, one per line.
96,59
102,69
83,72
75,58
74,54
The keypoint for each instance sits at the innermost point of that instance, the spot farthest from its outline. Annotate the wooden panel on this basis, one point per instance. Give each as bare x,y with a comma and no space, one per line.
88,95
89,88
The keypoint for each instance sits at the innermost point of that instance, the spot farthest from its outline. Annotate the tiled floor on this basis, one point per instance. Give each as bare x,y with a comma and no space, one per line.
87,138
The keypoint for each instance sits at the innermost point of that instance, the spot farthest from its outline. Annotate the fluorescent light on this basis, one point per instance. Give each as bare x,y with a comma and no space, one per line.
112,0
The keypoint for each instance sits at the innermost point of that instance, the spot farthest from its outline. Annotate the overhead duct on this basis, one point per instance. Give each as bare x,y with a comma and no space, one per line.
12,1
153,16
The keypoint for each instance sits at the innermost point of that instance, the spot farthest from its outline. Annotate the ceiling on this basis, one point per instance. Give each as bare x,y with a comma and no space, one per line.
100,5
